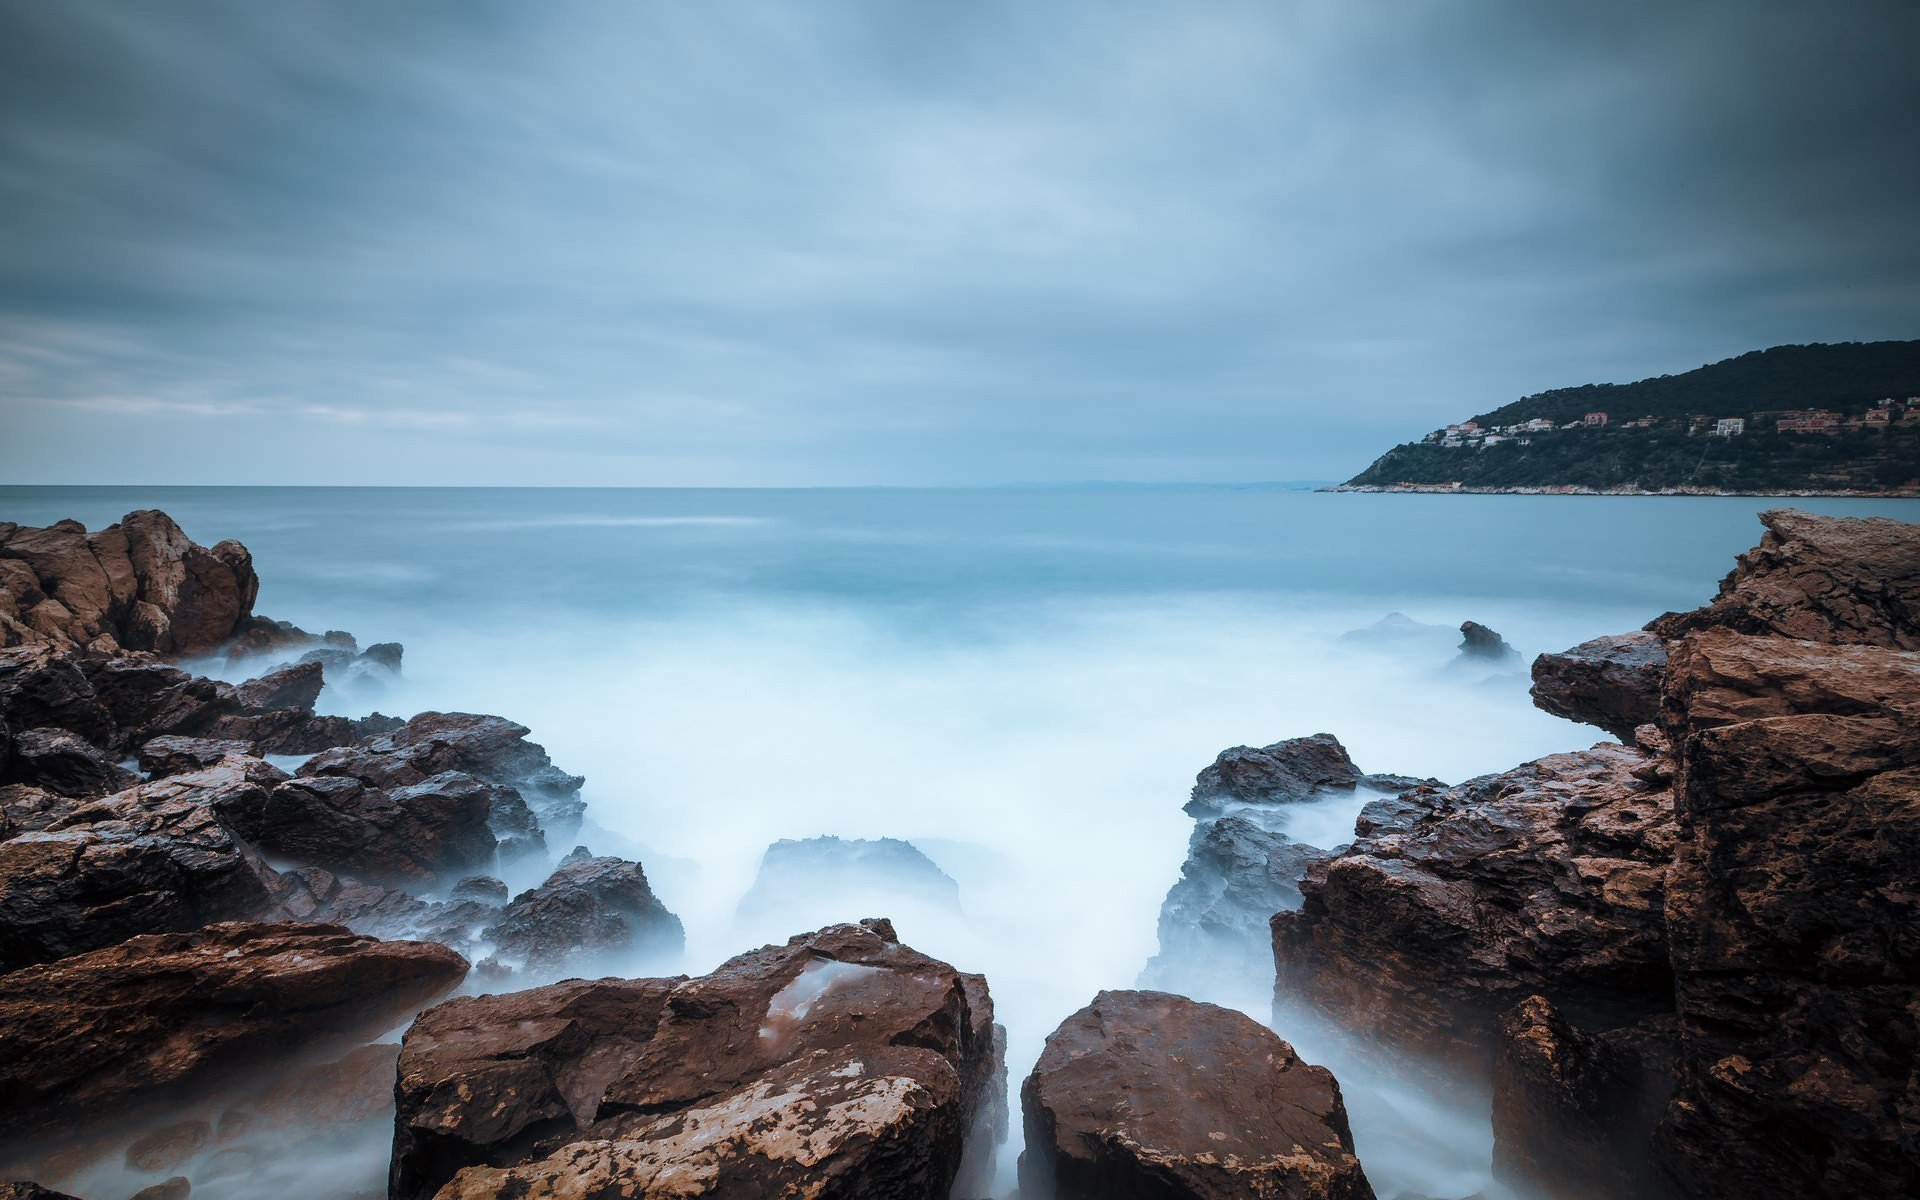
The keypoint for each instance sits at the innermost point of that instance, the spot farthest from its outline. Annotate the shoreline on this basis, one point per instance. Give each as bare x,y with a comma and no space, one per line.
1445,489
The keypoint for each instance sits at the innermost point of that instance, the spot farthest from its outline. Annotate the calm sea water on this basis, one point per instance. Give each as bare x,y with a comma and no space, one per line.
1023,682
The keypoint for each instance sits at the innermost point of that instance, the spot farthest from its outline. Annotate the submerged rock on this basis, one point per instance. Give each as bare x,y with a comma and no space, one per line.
158,1015
588,907
1612,682
798,872
1146,1094
842,1060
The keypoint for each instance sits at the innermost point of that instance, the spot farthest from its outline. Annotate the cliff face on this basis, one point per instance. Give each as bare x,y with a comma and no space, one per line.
1696,958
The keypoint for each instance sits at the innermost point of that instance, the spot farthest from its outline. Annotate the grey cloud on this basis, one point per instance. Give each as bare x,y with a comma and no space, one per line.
878,242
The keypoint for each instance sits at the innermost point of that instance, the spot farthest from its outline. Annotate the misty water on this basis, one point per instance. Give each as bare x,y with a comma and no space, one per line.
1022,683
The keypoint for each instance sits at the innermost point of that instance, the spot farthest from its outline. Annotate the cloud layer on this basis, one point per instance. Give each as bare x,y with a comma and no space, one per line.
743,243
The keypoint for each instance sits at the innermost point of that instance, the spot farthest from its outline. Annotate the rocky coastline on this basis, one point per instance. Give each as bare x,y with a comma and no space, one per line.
1626,489
1683,962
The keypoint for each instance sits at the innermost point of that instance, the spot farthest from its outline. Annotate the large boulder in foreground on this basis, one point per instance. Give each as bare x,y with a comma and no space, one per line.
1612,682
141,584
1148,1095
1795,917
151,1019
842,1064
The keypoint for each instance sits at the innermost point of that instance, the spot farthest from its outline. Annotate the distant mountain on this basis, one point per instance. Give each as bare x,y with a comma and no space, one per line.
1817,418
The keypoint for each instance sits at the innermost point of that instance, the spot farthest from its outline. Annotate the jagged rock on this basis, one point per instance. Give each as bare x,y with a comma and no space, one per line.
842,1056
587,907
1238,873
1572,1107
1612,682
1145,1094
1837,580
484,889
27,809
420,833
315,894
1792,907
1479,643
1287,772
177,1188
23,1190
1547,878
795,871
123,702
296,686
163,756
140,585
532,796
151,859
156,1016
64,763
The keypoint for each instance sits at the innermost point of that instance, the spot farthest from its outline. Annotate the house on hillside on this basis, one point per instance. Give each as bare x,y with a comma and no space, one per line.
1729,427
1879,418
1538,425
1818,420
1596,420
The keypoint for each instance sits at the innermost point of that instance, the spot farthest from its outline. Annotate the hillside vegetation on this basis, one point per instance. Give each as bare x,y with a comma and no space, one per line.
1678,450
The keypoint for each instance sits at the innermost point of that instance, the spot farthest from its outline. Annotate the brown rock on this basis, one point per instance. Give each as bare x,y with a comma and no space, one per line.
64,763
1149,1095
1838,580
140,585
159,1015
174,755
1613,682
1572,1108
30,1191
177,1188
587,907
1548,878
154,858
294,686
842,1064
416,834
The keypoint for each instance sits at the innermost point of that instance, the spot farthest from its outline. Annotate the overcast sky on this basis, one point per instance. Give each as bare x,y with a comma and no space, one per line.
894,242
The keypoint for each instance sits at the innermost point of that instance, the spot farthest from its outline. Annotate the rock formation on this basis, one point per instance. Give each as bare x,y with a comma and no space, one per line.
840,1064
139,585
799,871
1480,644
1243,867
158,1015
1612,682
589,907
1145,1094
1688,961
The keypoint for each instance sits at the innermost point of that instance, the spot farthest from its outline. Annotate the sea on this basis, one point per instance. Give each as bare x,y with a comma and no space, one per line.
1022,682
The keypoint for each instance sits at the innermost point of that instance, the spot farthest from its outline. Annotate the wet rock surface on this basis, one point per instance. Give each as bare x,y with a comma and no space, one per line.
1721,912
840,1064
1146,1094
588,907
157,1015
63,763
1612,682
141,584
419,833
154,858
1286,772
532,797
